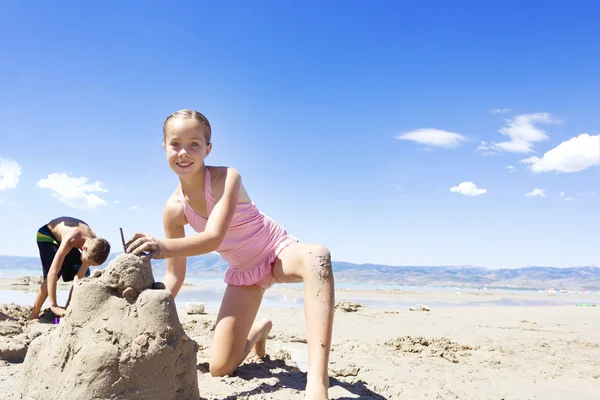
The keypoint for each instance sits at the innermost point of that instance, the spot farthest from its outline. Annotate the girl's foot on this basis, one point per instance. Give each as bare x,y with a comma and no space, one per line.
260,348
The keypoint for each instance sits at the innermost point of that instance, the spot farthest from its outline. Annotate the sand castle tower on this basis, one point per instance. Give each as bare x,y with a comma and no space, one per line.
121,339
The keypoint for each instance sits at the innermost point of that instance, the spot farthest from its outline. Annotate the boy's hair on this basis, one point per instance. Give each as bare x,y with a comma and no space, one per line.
189,113
98,250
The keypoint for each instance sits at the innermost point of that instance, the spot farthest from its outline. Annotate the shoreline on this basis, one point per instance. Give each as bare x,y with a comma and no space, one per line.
211,293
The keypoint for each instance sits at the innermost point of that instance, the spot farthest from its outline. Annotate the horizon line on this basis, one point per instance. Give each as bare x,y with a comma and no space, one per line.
381,265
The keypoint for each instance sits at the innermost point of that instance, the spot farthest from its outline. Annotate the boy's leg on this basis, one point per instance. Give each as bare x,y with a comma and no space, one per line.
234,334
41,297
47,247
311,263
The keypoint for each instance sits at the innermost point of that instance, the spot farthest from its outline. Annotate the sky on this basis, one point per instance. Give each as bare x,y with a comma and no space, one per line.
399,133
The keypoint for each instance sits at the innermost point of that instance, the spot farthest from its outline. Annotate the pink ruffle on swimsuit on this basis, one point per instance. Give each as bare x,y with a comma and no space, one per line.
251,244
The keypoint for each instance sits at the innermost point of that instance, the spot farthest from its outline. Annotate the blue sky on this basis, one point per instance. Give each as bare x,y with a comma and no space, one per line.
401,133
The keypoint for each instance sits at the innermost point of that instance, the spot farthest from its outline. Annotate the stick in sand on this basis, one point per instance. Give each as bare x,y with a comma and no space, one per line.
123,240
144,253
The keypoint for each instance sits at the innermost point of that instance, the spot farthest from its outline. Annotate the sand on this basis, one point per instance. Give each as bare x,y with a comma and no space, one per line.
16,333
120,339
455,352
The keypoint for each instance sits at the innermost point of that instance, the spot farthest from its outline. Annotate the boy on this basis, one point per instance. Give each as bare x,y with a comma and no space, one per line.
59,243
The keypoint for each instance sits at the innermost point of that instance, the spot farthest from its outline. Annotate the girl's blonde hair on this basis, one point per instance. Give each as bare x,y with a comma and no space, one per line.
189,113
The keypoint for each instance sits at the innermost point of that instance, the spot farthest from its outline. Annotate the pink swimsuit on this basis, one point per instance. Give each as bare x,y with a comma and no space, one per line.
252,242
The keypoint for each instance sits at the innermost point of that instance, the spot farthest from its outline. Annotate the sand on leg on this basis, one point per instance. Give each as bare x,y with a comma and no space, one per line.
235,336
311,264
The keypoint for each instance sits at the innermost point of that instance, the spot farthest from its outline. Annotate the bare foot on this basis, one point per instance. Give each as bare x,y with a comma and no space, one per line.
316,391
260,347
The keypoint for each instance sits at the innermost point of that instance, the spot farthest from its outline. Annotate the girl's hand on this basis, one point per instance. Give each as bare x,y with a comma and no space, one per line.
144,246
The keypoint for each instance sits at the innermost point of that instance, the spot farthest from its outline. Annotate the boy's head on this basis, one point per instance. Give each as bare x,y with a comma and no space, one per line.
96,251
187,113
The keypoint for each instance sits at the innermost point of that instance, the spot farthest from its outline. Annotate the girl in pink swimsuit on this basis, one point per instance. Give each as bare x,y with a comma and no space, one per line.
213,201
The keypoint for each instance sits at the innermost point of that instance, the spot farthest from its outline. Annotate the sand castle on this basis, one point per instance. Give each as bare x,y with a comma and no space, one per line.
120,339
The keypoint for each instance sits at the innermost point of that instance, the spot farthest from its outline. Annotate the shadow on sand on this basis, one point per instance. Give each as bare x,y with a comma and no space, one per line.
288,377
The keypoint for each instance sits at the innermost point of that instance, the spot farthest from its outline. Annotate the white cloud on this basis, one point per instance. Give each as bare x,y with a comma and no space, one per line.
135,208
487,149
523,133
1,201
10,171
468,189
536,193
499,110
75,192
562,194
568,198
511,169
433,137
117,201
530,160
573,155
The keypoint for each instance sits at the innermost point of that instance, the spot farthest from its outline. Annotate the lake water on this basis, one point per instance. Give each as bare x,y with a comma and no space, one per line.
210,292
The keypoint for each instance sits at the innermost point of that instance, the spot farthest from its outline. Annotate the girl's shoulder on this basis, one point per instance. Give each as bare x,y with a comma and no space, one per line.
218,173
222,177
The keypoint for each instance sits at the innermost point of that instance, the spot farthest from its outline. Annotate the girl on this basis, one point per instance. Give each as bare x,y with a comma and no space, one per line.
259,252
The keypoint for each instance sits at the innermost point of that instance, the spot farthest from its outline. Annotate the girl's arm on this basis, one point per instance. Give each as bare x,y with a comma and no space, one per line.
203,242
216,227
174,225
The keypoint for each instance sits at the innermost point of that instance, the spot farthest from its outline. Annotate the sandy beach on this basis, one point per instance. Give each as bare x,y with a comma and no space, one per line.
453,352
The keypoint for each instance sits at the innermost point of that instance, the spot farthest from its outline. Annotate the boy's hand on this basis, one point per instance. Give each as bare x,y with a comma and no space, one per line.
145,246
58,311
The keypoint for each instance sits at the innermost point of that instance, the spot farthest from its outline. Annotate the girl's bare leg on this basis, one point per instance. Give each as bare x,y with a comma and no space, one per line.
261,331
235,336
311,264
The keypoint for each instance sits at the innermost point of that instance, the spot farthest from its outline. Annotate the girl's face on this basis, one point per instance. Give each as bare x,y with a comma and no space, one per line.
185,146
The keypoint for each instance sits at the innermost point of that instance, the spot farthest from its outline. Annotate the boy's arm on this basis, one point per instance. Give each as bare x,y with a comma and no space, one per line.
82,271
52,278
80,275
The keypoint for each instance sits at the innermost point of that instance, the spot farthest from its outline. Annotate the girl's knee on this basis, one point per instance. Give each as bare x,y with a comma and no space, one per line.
221,367
267,324
319,262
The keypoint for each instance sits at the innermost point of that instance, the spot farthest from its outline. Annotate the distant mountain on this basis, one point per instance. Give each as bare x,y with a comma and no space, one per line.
574,278
212,265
